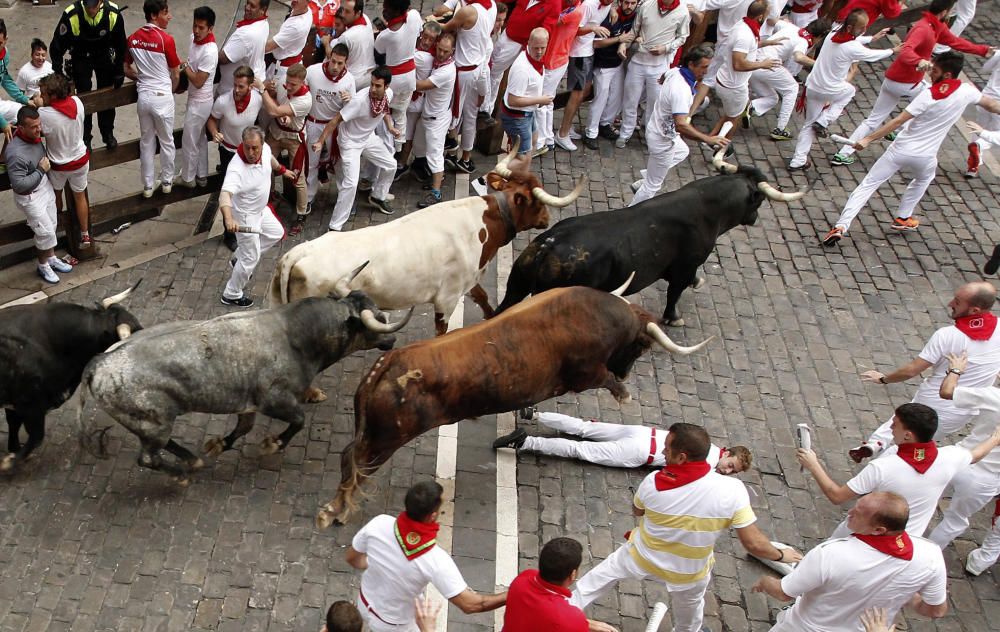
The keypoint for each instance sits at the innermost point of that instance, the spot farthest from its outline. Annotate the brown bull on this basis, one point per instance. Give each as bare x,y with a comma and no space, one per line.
566,339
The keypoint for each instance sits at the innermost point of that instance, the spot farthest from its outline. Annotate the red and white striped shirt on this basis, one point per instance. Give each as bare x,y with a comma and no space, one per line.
154,54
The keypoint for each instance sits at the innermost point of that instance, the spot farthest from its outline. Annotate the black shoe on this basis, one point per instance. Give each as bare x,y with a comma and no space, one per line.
606,131
513,440
429,200
382,205
229,239
821,131
401,171
110,141
324,176
243,301
451,160
590,143
466,166
450,144
993,264
528,412
808,165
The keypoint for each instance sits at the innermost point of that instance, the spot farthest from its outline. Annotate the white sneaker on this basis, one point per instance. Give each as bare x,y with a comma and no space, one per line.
167,188
59,265
147,192
972,567
636,185
45,271
574,135
565,143
621,142
642,173
187,184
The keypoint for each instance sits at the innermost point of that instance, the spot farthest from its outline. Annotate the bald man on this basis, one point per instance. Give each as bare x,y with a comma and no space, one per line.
524,91
974,332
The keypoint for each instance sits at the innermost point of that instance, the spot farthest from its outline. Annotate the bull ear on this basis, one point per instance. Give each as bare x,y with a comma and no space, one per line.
520,200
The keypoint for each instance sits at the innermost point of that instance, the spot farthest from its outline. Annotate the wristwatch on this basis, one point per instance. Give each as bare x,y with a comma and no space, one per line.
955,371
882,380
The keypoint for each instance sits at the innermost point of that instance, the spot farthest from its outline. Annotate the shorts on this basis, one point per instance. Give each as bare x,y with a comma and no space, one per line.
732,100
580,73
77,178
519,127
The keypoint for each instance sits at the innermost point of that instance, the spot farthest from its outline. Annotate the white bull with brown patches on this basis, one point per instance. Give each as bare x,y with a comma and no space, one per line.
435,255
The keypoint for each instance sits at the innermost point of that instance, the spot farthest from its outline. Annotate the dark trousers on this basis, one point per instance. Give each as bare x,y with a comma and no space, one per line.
224,157
83,72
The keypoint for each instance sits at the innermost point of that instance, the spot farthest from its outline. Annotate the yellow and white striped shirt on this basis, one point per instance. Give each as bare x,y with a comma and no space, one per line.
676,535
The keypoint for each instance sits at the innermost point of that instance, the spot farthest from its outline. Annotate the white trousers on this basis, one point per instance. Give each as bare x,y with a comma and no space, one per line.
250,247
640,80
664,155
989,122
313,132
889,96
374,624
687,604
611,445
920,170
972,488
431,133
767,86
39,208
379,155
609,83
402,91
472,86
156,123
949,422
543,116
818,112
802,20
988,553
505,51
194,143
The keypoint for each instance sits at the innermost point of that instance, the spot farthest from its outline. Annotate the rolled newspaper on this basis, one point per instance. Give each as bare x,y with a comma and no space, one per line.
659,611
843,140
805,436
781,568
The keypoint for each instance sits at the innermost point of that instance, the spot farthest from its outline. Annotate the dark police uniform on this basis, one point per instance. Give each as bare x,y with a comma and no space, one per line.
97,46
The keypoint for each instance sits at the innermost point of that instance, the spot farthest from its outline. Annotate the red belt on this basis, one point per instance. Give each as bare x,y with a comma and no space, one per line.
403,68
290,61
652,446
467,68
72,165
228,146
313,119
370,609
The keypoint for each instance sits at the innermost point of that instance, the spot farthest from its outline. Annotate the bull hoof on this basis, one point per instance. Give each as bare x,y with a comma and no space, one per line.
677,322
324,519
181,481
196,465
7,464
269,445
214,447
314,395
698,282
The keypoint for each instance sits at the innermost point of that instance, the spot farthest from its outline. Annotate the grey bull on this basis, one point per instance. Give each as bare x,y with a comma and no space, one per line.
261,361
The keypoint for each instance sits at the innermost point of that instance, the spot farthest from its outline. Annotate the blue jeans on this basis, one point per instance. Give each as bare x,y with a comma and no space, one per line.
519,127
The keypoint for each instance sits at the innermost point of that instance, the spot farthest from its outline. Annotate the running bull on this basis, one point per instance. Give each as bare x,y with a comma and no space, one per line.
43,351
568,339
666,237
245,363
435,255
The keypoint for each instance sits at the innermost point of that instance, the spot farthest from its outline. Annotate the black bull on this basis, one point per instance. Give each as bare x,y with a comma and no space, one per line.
666,237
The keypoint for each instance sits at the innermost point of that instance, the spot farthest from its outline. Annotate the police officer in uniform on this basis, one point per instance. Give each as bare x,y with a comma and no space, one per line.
93,32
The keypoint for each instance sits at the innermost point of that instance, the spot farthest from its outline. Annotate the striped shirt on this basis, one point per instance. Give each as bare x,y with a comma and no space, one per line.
677,532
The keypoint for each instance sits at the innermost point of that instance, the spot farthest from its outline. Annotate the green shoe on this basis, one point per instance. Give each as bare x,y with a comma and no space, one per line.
891,136
843,159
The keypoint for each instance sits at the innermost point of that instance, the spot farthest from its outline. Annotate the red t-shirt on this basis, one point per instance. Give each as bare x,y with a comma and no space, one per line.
524,19
874,8
919,45
534,605
561,37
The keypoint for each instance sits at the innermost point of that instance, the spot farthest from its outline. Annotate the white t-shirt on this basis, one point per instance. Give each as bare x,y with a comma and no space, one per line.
245,47
836,581
154,54
932,119
301,105
675,98
987,401
291,37
829,73
231,122
741,40
326,91
992,88
360,42
889,473
785,50
473,46
28,76
398,46
593,13
731,12
523,81
984,363
438,101
358,124
424,62
203,58
63,135
250,185
391,582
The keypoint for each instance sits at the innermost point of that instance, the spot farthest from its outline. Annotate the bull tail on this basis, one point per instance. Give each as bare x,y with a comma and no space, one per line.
279,281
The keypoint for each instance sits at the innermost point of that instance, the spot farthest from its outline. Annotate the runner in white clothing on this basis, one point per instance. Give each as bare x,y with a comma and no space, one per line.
472,25
245,45
359,38
436,114
286,45
915,468
928,119
397,41
32,71
200,72
151,60
988,121
423,59
332,87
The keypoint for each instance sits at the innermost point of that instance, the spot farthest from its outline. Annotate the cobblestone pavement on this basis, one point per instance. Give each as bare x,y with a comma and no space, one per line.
89,544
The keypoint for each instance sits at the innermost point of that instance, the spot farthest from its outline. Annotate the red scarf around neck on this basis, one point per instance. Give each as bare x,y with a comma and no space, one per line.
899,545
343,71
754,27
206,40
250,21
301,91
666,6
415,538
30,141
360,21
66,107
536,64
807,36
379,107
399,19
674,476
438,64
622,16
486,4
242,104
919,456
842,36
243,156
977,326
944,88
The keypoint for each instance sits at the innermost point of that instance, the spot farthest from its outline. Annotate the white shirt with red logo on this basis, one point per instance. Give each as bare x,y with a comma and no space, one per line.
154,54
326,92
932,119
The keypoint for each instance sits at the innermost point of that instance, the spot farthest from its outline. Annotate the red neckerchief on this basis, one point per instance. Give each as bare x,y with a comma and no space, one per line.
378,108
206,40
624,16
486,4
301,91
360,21
919,456
900,545
437,64
977,326
343,71
415,538
243,156
251,21
536,64
242,105
535,578
944,88
674,476
842,36
665,6
807,36
66,107
30,141
399,19
754,27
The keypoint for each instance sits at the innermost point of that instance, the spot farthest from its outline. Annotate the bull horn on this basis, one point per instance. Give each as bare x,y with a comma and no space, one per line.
119,297
548,199
374,324
775,194
719,163
124,331
664,341
343,287
502,169
624,287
